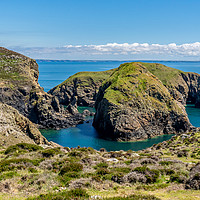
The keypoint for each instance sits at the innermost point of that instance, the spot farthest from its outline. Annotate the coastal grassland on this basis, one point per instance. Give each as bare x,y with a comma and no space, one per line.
86,78
167,75
161,194
160,172
132,82
12,69
16,68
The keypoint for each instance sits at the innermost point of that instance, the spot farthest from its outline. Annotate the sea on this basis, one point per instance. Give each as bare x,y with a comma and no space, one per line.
54,72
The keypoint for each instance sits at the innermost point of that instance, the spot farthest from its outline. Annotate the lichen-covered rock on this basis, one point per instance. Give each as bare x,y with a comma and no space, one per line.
15,128
194,178
134,177
134,104
19,88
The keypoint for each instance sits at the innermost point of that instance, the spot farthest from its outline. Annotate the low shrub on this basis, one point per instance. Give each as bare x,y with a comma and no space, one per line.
71,167
32,170
59,164
19,163
101,165
50,152
177,178
102,171
165,162
121,169
152,187
128,162
78,194
75,153
67,177
96,178
91,150
141,170
151,174
8,175
22,147
183,153
83,149
167,171
134,197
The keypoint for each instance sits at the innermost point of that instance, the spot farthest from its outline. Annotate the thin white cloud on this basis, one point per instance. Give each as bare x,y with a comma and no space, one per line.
114,49
190,49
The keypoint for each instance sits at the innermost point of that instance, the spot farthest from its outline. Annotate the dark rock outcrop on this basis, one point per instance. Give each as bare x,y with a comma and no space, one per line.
19,88
80,89
15,128
194,178
135,104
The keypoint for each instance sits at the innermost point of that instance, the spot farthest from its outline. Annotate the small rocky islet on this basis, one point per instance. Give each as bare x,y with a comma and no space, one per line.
133,102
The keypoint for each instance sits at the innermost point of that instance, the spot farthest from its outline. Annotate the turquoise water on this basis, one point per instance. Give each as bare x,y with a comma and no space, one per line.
85,135
193,114
53,73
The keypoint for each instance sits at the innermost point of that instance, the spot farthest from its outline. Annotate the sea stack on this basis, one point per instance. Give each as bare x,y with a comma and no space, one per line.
134,104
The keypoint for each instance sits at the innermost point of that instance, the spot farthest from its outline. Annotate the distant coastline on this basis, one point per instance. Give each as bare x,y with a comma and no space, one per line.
47,60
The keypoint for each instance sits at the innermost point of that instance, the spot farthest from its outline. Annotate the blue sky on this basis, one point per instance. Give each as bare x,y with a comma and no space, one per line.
102,29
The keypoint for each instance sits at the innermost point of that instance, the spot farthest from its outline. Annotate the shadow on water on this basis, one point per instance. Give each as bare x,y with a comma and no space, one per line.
85,135
193,114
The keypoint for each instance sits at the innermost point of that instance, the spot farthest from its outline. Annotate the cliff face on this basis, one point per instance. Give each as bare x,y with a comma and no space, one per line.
135,101
80,89
15,128
183,86
19,88
135,104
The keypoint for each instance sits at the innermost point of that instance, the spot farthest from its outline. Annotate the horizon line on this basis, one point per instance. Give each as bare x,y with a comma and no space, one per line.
43,59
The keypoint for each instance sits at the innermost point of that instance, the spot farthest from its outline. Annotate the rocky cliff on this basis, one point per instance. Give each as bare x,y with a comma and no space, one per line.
19,88
80,89
15,128
141,100
155,92
183,86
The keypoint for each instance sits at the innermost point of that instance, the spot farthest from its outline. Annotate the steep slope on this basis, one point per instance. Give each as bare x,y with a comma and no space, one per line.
183,86
19,88
15,128
81,88
134,104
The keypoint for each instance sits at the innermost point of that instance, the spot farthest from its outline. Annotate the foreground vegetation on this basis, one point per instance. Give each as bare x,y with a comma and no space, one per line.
164,171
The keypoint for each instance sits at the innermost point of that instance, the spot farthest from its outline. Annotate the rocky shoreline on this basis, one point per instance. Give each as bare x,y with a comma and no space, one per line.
131,106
